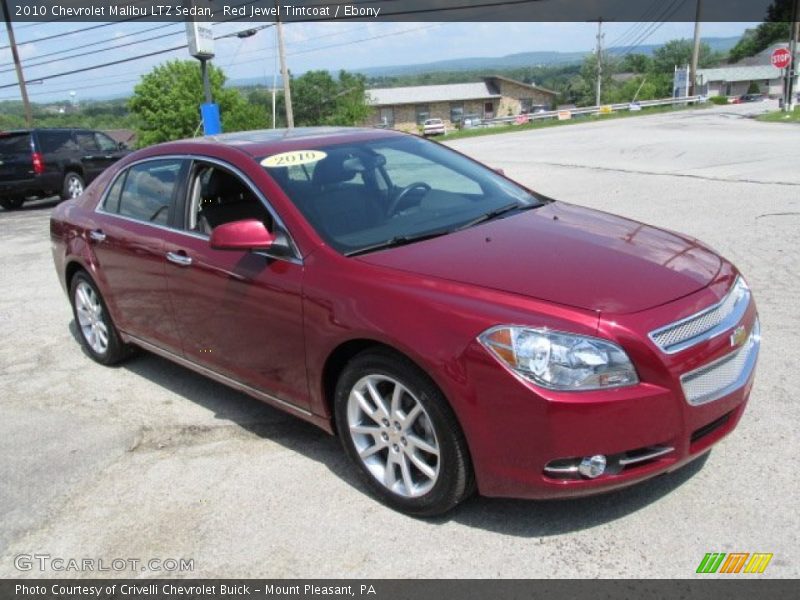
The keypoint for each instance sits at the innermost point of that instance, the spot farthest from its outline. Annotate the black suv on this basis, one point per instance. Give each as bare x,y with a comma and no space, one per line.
44,162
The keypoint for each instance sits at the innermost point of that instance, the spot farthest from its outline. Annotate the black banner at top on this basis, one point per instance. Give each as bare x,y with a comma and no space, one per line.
293,11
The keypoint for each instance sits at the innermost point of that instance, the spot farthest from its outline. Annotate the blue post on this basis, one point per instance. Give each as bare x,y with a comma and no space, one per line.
210,115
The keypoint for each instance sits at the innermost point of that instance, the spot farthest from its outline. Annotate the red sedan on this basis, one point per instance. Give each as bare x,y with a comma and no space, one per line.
455,329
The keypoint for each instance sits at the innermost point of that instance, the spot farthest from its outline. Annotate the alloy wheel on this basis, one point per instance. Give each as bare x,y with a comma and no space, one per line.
90,317
74,186
393,435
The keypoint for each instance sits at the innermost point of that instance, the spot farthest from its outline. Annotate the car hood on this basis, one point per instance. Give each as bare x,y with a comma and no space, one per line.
566,254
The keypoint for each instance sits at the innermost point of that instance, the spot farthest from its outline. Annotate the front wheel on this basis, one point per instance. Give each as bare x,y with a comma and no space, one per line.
73,186
96,331
398,429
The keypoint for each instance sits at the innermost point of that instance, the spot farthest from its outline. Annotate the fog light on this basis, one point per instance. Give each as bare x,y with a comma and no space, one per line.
592,466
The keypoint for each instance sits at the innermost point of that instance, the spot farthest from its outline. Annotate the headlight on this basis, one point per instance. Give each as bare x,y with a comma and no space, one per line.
560,361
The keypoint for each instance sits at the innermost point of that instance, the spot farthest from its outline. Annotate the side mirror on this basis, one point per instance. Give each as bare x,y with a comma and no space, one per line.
249,234
122,146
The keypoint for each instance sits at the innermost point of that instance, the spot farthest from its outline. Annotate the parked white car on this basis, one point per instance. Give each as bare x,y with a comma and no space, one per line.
433,127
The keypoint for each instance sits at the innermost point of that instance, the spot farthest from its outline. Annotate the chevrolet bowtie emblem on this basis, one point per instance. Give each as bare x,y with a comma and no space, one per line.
739,336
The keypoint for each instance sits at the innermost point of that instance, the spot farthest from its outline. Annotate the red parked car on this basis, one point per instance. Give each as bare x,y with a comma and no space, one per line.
455,329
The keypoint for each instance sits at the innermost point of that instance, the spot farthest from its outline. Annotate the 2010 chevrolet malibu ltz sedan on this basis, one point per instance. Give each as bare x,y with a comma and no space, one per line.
456,329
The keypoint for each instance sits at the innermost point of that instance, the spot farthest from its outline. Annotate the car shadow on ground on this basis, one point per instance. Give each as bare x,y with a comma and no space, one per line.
524,518
34,205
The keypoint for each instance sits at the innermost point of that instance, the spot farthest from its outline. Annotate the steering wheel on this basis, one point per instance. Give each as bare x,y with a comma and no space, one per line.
417,185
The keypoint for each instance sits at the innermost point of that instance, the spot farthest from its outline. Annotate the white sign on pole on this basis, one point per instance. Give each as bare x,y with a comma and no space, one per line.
200,38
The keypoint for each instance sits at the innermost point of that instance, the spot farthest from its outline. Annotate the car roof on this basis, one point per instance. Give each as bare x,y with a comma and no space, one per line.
268,141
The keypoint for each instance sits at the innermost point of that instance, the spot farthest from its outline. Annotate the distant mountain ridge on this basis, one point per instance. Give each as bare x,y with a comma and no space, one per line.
510,61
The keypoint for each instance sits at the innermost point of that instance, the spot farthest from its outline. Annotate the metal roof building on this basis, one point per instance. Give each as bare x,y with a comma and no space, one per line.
407,108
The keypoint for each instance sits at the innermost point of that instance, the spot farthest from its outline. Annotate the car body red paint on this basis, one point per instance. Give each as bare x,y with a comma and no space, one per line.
274,325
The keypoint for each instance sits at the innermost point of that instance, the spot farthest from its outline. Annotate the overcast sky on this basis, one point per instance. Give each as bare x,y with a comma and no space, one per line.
332,46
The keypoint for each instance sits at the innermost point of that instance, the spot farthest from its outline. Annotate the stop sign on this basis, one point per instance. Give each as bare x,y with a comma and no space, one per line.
781,58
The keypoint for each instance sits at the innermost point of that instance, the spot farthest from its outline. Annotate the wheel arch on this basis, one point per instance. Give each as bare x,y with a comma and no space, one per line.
341,355
74,168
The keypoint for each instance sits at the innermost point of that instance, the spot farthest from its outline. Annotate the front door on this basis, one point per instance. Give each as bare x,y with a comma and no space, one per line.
488,110
239,313
97,152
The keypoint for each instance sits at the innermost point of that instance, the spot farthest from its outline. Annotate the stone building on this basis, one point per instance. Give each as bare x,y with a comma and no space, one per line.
406,108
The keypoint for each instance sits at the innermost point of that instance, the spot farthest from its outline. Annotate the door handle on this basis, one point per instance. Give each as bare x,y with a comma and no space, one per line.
179,259
97,235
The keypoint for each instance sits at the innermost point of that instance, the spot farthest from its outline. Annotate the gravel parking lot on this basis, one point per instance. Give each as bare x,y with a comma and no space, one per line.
149,460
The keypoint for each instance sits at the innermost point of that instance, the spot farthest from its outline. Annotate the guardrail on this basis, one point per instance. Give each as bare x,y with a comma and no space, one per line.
589,110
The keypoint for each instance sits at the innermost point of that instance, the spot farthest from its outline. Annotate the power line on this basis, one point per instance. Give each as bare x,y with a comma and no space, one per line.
105,41
182,46
64,57
674,6
59,35
636,28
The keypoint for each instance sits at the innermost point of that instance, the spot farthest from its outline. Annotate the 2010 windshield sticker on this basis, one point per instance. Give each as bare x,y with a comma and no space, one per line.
296,157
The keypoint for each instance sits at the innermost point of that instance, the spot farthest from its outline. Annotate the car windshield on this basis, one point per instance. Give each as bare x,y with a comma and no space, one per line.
367,195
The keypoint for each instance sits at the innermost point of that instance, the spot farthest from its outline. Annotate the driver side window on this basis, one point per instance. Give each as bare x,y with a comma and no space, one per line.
218,196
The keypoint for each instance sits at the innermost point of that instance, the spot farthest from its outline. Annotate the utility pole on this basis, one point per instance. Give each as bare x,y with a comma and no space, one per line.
695,53
18,66
287,93
792,68
599,59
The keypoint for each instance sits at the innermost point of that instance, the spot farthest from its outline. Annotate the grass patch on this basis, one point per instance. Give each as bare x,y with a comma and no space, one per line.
544,123
781,117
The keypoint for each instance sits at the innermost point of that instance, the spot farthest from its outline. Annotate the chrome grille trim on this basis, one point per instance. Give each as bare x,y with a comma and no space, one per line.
647,454
723,376
706,324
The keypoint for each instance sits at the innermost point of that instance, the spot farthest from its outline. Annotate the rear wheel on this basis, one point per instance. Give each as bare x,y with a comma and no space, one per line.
73,186
96,331
398,429
11,203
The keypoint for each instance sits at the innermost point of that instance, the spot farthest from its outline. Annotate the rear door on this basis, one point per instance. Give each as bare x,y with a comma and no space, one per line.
16,156
128,243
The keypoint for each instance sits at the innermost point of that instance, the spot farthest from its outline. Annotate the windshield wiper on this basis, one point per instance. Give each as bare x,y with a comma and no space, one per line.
400,240
497,212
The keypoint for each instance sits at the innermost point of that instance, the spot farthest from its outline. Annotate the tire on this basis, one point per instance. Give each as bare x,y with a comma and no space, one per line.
73,186
415,455
96,330
11,203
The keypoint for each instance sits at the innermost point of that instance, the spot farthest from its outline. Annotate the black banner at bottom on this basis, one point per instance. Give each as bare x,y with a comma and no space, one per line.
392,589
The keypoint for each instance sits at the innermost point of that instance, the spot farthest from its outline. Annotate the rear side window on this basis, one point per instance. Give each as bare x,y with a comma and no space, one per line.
56,141
111,203
15,143
148,190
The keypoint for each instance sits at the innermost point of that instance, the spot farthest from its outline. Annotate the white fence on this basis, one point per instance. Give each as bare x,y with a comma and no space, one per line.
592,110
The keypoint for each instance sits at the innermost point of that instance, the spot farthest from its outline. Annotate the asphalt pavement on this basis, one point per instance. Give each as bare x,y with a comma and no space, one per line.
148,460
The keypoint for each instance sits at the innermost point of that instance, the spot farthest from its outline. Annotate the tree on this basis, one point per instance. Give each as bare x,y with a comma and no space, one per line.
636,63
679,53
167,102
319,99
775,28
586,94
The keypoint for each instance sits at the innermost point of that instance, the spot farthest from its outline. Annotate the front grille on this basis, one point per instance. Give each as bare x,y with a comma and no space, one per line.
723,376
710,428
706,323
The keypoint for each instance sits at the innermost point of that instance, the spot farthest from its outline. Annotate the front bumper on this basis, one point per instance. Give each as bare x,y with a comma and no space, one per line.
651,428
